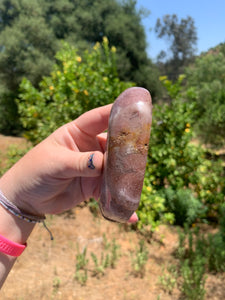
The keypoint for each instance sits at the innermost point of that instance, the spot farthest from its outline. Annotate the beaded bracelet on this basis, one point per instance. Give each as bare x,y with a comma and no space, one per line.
14,210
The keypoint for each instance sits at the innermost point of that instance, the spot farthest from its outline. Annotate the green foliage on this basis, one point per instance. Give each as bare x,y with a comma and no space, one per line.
113,251
94,207
172,158
9,121
76,85
14,153
56,285
28,44
27,48
188,274
185,207
192,264
83,23
108,258
140,259
214,252
81,274
198,254
206,88
114,255
100,265
168,281
182,37
181,184
214,245
208,182
173,88
193,278
152,210
31,32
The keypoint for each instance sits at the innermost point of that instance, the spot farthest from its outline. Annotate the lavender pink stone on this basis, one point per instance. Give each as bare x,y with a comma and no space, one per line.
126,155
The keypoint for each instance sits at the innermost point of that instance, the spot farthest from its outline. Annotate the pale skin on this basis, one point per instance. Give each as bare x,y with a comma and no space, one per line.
54,176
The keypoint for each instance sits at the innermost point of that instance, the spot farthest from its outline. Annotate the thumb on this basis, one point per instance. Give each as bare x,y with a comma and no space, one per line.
83,164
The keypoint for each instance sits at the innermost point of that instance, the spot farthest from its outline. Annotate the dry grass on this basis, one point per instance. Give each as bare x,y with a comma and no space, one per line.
46,270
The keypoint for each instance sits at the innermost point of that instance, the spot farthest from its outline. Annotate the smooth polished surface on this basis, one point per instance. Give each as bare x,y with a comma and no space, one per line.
126,155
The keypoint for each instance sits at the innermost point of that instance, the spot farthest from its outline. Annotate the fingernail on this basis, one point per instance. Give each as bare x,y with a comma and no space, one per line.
133,218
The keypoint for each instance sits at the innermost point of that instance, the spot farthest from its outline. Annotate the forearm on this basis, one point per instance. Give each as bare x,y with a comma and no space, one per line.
15,230
6,264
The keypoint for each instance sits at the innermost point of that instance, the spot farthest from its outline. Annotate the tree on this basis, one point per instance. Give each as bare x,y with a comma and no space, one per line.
83,23
27,48
205,86
182,38
77,84
31,32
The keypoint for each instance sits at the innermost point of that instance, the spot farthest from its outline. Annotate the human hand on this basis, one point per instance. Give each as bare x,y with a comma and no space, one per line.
60,172
55,175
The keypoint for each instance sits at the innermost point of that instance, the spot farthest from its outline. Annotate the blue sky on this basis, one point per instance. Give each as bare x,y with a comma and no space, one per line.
209,18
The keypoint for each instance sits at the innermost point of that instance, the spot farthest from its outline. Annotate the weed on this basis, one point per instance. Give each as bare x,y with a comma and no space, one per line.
93,206
100,265
106,243
113,249
140,260
208,246
114,255
81,277
107,260
56,285
81,260
81,266
193,278
168,281
192,264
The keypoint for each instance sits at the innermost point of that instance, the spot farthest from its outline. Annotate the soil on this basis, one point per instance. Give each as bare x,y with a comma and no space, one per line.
46,270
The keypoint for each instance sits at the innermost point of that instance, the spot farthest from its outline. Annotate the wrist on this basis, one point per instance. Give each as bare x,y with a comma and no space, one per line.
13,228
15,231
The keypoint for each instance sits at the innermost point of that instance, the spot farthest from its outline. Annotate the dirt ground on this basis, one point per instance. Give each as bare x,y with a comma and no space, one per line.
46,270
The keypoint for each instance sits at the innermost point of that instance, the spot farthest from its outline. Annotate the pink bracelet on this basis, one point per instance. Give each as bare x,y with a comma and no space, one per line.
11,248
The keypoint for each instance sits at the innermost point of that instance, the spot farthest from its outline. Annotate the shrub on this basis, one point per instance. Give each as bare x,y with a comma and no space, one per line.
14,153
140,259
205,87
77,84
152,210
196,184
185,207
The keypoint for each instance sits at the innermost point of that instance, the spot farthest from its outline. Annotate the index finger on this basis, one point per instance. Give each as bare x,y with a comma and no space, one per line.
94,121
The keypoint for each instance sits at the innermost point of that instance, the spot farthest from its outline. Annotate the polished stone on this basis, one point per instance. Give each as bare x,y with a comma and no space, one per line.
126,155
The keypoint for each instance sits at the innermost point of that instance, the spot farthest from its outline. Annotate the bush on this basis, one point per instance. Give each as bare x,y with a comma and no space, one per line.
185,207
172,158
14,153
76,85
9,119
205,87
179,181
152,210
209,247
